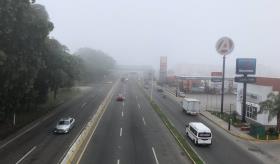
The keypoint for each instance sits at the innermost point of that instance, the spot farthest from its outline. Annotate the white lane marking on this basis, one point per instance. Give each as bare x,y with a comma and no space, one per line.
120,132
20,135
122,114
118,161
83,105
139,106
123,104
155,155
144,122
30,151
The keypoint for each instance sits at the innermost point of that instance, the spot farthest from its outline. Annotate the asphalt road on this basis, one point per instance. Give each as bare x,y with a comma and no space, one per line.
223,149
130,132
40,145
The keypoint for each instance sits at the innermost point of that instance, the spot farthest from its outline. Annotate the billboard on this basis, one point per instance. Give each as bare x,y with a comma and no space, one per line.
216,76
163,69
246,66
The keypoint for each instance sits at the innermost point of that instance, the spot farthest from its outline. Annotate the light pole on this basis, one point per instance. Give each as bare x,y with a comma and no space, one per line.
152,86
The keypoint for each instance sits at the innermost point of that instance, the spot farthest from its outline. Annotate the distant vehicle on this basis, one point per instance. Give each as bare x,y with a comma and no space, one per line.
199,133
146,86
191,106
120,98
64,125
182,94
160,90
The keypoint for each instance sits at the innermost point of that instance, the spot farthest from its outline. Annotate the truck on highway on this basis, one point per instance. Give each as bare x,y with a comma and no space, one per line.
191,106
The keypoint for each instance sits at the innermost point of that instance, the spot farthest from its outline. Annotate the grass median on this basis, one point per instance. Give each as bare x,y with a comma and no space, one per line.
178,137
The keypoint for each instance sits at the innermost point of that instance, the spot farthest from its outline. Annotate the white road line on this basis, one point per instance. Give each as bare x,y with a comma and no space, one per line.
139,106
123,104
30,151
20,135
155,155
83,105
120,132
122,114
143,120
118,161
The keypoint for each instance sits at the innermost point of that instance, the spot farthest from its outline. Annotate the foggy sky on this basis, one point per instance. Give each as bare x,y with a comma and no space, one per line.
186,31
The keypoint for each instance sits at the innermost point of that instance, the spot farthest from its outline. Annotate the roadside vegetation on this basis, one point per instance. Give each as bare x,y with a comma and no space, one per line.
36,69
255,130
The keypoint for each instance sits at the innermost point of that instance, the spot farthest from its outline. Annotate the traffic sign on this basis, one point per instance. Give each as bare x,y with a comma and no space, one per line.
245,79
224,46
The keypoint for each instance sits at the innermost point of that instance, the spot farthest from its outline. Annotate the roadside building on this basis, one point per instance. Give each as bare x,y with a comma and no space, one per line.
257,93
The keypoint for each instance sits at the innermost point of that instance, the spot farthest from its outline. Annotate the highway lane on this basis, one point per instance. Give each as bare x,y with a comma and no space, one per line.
223,150
40,145
132,133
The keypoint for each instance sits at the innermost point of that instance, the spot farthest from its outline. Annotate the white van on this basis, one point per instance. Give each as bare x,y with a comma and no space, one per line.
199,133
191,106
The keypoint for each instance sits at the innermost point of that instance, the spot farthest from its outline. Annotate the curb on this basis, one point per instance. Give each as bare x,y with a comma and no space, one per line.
238,136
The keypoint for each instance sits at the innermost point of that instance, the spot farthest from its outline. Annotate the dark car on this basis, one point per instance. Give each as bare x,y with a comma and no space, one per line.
120,98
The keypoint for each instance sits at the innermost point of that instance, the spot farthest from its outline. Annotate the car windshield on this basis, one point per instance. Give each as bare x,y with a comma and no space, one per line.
63,122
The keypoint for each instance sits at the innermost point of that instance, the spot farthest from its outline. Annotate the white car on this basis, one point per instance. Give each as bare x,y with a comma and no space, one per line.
182,94
199,133
64,125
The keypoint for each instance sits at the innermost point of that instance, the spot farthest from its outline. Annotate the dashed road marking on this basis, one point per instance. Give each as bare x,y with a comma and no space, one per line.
118,161
143,119
120,132
83,105
122,114
30,151
139,107
155,155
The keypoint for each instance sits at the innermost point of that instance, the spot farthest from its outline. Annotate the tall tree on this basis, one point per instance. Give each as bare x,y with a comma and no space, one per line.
96,63
22,35
272,105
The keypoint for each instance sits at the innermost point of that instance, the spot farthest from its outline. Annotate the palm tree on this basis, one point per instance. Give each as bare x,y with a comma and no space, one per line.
272,104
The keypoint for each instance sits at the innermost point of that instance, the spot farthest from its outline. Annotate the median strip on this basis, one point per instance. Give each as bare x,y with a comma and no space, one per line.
190,152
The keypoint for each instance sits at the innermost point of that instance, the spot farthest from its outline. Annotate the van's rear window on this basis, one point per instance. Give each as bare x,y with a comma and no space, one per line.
204,134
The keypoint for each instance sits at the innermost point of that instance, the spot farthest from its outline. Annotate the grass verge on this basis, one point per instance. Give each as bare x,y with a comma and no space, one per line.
178,137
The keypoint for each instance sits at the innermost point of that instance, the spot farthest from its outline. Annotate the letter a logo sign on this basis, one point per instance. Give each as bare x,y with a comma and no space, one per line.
224,46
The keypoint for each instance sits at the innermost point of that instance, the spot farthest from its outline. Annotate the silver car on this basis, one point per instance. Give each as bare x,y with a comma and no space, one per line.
64,125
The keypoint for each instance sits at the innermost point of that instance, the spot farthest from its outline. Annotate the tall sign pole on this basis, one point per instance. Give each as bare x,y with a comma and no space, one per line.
224,46
245,66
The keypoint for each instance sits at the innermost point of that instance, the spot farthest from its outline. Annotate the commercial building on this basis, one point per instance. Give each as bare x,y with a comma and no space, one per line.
257,93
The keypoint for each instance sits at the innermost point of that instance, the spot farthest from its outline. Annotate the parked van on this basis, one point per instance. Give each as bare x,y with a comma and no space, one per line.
191,106
199,133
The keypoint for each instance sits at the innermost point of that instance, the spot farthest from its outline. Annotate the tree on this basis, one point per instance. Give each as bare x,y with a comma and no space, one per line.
96,63
22,35
272,105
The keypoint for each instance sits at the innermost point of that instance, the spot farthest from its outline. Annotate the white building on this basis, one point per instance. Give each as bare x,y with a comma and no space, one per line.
257,93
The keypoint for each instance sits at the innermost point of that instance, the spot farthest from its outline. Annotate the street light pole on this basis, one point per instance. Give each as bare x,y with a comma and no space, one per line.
223,85
152,86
